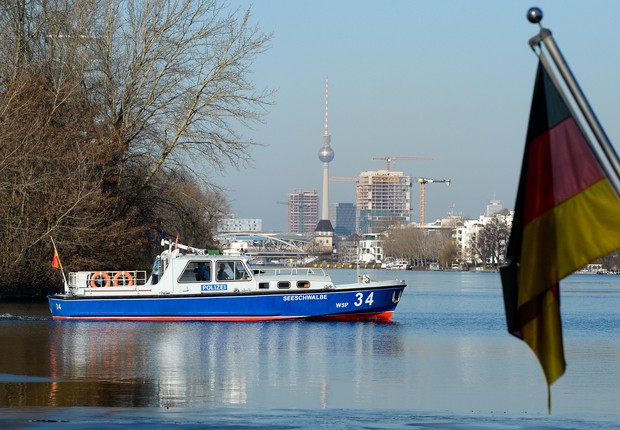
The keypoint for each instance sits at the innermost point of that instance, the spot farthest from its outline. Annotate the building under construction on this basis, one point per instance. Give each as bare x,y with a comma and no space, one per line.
303,211
383,198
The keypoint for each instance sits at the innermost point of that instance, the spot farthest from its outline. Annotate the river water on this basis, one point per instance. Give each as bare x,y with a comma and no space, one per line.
446,361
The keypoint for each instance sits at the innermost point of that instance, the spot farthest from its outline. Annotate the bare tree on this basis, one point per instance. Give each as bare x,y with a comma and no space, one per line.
112,112
492,239
414,244
449,254
53,165
175,83
186,210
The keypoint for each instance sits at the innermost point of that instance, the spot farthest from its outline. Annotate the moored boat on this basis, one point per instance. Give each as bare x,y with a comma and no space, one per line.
189,284
398,265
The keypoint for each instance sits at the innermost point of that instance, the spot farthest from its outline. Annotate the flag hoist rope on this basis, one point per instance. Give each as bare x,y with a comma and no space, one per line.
535,16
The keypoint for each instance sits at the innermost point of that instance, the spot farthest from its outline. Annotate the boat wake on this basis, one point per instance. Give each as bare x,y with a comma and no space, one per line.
11,317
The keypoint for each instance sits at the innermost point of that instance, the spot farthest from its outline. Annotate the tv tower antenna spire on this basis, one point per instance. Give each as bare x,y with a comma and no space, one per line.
326,134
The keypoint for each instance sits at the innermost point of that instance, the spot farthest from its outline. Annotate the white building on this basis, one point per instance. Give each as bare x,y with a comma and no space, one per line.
370,248
238,225
467,234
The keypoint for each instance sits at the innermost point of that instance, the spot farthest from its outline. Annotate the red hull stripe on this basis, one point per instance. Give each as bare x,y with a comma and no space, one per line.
381,316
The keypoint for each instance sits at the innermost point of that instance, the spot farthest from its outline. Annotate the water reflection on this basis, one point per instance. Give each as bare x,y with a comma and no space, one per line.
448,350
210,364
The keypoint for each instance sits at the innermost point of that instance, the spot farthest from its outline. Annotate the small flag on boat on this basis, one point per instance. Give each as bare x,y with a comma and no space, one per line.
56,259
176,243
567,214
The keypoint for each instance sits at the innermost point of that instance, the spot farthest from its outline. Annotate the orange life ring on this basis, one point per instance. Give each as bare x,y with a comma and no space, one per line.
98,275
123,279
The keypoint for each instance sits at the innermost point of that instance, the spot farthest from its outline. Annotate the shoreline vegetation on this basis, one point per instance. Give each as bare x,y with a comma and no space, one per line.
113,122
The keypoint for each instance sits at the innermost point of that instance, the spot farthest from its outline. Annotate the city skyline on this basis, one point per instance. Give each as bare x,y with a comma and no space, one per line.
447,80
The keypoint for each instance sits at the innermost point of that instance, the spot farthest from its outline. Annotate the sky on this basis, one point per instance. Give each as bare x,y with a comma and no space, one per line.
447,80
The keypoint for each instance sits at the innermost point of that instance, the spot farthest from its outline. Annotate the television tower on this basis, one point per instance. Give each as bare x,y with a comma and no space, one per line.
326,155
324,232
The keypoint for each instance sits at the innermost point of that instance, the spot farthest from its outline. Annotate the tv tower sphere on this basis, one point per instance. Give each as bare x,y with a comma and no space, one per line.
326,154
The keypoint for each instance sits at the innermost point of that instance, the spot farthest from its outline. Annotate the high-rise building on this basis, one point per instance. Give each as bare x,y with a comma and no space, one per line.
383,198
342,216
303,211
494,207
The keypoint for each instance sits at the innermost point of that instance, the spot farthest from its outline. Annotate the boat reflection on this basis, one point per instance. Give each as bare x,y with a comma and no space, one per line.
219,364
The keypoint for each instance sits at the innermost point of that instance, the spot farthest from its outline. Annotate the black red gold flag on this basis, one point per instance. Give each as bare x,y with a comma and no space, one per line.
567,215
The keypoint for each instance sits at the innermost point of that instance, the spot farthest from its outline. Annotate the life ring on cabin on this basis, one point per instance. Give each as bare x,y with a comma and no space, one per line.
123,279
96,282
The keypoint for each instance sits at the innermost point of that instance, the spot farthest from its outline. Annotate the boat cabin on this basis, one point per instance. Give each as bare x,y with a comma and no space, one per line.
198,274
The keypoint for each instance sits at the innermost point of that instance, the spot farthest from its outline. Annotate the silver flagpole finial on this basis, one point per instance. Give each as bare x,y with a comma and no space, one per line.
534,15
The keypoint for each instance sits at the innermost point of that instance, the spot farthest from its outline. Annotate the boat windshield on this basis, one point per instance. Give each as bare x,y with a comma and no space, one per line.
197,271
202,270
232,270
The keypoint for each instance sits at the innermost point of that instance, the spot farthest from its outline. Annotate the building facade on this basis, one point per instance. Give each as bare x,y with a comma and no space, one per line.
370,249
232,224
303,211
383,198
343,217
467,234
493,207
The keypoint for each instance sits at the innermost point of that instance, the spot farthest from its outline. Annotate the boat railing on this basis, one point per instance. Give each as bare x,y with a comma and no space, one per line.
288,271
108,279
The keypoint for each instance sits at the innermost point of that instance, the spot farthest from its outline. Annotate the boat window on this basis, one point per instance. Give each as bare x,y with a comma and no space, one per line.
225,271
197,271
284,284
263,285
232,271
241,274
303,284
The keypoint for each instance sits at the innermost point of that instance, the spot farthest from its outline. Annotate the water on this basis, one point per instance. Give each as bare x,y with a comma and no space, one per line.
446,361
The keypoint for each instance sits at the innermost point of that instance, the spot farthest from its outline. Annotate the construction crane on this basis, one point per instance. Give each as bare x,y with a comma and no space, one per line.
343,179
423,182
388,160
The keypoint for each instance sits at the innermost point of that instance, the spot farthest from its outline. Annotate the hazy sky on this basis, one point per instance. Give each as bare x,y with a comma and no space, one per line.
448,80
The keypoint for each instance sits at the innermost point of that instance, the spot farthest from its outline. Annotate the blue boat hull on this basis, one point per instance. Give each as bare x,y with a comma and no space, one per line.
358,304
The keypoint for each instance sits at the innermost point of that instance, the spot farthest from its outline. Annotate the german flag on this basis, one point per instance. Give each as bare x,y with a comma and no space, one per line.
567,214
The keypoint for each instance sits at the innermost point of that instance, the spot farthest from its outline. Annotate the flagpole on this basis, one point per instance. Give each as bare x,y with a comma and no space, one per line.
535,15
60,264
